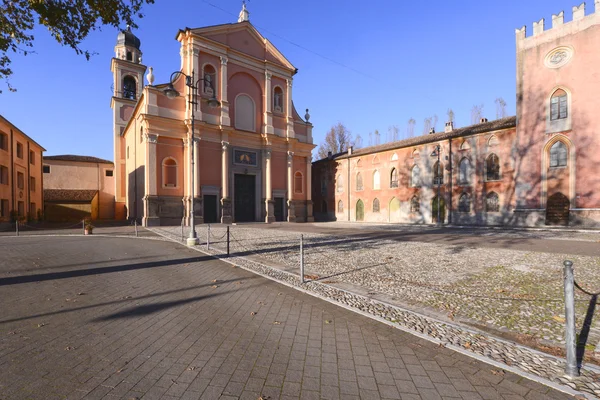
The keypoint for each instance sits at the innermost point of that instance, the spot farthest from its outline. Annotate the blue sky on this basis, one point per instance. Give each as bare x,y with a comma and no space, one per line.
401,60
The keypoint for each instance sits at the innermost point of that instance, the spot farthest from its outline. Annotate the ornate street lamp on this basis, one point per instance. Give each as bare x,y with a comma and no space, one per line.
436,153
172,93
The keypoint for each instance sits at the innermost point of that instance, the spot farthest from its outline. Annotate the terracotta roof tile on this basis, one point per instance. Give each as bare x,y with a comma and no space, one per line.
504,123
71,157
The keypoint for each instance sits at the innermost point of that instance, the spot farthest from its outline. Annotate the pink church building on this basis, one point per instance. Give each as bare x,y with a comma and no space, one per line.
251,153
539,167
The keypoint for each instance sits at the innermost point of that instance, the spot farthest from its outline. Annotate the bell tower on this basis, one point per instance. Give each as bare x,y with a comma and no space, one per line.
128,72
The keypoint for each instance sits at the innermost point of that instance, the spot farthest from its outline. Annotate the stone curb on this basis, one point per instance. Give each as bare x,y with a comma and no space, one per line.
525,362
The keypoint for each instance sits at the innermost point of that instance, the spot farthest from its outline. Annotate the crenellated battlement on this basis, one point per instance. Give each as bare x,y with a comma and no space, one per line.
558,21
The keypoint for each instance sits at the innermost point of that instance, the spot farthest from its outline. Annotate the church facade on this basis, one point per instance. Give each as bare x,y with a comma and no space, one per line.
251,152
536,168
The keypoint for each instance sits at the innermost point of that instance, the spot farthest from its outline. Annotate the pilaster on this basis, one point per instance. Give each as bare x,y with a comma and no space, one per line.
309,203
225,120
150,200
269,203
290,187
226,215
289,111
268,117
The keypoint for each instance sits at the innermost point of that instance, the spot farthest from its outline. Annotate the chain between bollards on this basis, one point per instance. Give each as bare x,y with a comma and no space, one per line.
570,342
228,241
302,258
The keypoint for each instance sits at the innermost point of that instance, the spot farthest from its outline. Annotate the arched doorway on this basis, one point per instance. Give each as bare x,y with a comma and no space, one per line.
434,209
360,211
394,210
557,210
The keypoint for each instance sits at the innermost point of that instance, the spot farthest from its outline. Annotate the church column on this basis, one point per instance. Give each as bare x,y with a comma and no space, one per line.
290,187
268,127
309,203
151,217
225,121
269,204
226,217
289,110
185,169
198,207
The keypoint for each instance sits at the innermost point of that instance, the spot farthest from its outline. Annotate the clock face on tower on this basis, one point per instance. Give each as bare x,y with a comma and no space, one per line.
244,157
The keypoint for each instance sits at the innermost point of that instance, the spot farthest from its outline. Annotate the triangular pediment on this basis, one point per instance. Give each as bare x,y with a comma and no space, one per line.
245,38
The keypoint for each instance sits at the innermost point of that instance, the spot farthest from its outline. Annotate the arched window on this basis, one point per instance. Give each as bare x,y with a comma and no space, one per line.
376,180
358,163
244,113
169,176
492,202
415,206
558,154
464,171
438,173
492,168
558,105
493,141
359,181
376,205
394,157
298,182
209,84
464,203
340,207
129,56
415,153
129,88
465,145
376,159
415,176
339,183
278,99
394,178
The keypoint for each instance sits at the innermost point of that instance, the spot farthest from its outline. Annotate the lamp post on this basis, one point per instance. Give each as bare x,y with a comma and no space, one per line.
436,153
172,93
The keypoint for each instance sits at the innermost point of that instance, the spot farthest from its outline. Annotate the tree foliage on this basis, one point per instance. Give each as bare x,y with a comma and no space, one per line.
68,21
337,139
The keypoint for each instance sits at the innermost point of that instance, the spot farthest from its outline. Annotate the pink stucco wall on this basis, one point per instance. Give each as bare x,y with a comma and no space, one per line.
167,147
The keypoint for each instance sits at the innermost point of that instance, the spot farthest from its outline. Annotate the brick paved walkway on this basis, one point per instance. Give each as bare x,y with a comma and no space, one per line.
94,317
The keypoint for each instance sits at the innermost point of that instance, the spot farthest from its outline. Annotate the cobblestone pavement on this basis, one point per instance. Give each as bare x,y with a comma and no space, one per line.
98,317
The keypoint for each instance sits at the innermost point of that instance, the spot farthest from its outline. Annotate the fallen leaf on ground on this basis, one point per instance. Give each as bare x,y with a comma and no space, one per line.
558,319
328,321
276,323
279,294
214,286
467,345
252,313
497,372
215,280
40,325
69,348
80,293
191,368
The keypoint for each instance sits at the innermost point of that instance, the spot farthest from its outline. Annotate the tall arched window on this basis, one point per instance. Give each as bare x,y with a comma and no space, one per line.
492,202
359,181
394,178
129,87
210,80
438,173
376,180
558,105
415,176
376,205
298,182
464,171
169,176
339,183
464,203
245,113
340,206
492,168
278,99
558,155
415,205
